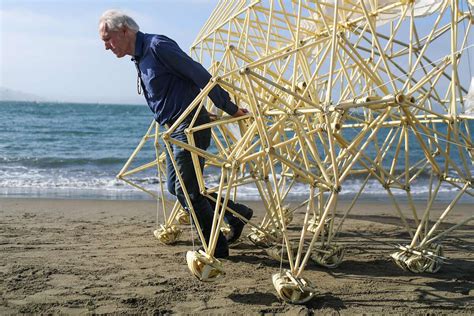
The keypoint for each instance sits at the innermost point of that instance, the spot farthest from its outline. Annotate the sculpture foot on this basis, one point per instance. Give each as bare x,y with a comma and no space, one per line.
183,217
280,253
314,222
260,239
418,261
329,256
168,235
291,289
203,266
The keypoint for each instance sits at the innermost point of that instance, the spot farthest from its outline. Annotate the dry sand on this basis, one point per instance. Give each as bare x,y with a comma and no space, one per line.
79,256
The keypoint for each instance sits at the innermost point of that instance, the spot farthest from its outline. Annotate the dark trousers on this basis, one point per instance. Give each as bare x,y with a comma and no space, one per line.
203,208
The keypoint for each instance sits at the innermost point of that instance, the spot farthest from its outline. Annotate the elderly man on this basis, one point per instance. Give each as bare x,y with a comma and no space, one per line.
170,81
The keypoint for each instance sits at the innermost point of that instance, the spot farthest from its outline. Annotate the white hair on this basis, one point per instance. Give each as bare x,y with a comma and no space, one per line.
116,19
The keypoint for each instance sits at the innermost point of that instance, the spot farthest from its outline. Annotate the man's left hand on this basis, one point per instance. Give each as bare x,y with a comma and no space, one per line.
241,112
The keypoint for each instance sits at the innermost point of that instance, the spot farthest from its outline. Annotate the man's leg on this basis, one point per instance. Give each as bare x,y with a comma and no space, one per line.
202,140
203,210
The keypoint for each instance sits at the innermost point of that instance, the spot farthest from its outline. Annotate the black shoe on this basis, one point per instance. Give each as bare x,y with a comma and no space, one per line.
237,228
247,212
219,253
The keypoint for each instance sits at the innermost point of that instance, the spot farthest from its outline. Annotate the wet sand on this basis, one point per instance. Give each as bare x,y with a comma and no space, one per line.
82,256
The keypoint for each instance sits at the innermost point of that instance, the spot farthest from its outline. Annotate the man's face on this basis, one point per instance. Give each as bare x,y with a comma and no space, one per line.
116,41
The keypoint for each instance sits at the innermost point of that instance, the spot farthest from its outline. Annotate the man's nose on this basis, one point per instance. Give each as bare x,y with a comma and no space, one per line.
107,46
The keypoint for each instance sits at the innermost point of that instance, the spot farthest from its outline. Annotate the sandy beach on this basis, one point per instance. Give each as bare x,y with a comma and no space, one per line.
86,256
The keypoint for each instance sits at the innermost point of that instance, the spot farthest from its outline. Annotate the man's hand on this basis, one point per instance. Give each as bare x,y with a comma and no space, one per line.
212,117
240,112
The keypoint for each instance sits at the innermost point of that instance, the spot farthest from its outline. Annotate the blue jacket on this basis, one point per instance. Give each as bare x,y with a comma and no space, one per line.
171,79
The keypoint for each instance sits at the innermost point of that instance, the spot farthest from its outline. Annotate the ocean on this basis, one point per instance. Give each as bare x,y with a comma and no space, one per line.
73,150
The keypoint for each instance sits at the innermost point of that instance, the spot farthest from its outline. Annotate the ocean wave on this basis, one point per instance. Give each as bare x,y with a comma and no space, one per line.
64,183
108,184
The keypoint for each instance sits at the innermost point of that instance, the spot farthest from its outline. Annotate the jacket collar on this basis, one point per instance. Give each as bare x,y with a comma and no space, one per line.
139,45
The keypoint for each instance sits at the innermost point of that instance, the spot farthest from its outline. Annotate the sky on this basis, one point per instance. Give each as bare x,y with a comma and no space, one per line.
51,48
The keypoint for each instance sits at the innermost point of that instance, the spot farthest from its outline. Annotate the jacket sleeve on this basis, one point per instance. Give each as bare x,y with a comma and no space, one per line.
184,66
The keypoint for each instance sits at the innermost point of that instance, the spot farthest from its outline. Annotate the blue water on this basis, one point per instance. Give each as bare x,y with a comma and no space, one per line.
69,150
58,148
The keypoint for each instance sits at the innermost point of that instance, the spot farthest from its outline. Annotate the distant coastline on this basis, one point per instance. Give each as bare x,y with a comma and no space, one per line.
7,94
11,95
55,102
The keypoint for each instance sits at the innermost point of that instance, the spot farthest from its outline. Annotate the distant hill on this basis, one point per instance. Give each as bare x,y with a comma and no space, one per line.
14,95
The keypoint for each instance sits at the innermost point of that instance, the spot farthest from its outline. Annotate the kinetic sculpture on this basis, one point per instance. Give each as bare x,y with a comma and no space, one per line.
334,89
